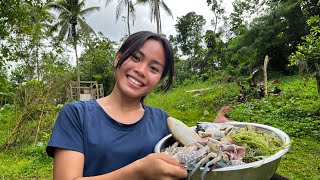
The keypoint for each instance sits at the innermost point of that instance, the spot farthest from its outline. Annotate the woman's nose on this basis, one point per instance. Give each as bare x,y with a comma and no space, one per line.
141,69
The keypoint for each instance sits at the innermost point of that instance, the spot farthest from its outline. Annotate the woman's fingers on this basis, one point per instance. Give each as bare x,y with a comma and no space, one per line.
163,166
173,166
169,159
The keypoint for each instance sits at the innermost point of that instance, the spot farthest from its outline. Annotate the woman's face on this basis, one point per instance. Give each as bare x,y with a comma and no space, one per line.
141,72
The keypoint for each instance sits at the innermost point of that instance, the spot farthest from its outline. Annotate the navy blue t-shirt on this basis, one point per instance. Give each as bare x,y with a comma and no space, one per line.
107,145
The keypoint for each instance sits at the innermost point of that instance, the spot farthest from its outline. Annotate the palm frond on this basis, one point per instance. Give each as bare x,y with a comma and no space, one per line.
153,11
108,2
86,28
142,2
64,15
121,5
64,29
57,7
89,10
132,11
71,14
53,28
80,5
65,4
166,8
151,6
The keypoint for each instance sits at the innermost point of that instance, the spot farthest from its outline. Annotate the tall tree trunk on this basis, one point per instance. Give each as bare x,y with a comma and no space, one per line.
265,82
157,15
128,17
160,29
78,69
75,38
215,26
37,59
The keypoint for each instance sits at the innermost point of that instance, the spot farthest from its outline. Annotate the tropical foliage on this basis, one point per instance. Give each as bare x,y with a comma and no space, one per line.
308,53
155,11
97,60
189,40
129,7
70,22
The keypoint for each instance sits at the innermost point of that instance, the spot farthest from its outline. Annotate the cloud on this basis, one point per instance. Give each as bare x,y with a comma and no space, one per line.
105,21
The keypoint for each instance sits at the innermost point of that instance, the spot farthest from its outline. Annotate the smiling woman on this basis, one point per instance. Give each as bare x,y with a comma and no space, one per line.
143,69
113,137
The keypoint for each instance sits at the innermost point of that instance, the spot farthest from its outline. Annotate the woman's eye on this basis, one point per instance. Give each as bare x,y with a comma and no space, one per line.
155,69
135,58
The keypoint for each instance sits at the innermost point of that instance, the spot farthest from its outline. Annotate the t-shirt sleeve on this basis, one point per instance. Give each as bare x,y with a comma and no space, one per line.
162,117
67,132
167,131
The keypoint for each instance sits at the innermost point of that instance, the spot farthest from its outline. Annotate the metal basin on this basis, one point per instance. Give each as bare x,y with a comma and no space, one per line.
258,170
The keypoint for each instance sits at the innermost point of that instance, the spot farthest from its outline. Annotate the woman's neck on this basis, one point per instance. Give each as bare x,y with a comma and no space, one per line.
121,102
121,108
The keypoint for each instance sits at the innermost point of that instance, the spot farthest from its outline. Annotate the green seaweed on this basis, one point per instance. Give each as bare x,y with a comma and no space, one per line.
259,144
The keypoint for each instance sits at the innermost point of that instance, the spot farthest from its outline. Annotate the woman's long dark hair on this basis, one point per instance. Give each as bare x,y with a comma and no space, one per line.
135,41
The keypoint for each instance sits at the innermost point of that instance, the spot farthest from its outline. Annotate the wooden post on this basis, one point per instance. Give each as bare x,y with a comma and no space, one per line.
71,91
97,90
265,83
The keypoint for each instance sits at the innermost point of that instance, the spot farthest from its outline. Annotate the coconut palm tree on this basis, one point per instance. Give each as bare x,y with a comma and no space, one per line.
155,11
128,5
70,22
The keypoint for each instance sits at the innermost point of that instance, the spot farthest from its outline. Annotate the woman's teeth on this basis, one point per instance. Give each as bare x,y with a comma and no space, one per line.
134,81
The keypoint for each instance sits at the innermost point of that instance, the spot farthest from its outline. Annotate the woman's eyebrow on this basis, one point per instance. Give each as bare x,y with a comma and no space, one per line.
141,53
153,60
158,63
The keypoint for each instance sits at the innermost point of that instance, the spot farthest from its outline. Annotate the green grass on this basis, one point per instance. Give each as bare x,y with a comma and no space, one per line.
302,160
24,160
192,107
26,163
296,111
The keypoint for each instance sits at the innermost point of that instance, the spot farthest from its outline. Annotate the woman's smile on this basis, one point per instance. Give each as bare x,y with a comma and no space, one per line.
134,81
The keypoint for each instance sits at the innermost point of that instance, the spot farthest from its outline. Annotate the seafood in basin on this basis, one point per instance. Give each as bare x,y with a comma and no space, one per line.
182,132
216,145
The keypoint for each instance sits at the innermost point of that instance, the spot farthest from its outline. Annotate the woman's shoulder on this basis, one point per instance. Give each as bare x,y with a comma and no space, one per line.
81,103
153,108
156,110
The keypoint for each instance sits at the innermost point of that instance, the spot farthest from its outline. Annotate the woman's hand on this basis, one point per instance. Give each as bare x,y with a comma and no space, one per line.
161,166
221,117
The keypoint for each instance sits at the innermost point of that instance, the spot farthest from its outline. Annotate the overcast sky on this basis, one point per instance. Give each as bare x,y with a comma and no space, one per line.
104,20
